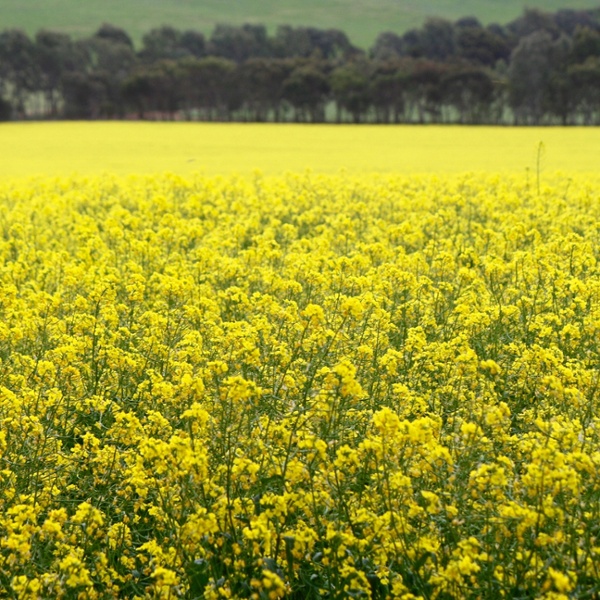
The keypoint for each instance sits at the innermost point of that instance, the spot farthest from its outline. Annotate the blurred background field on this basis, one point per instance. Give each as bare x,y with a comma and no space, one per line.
461,63
184,148
362,20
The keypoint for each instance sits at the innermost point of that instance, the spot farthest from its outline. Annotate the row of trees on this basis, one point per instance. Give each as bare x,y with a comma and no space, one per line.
541,68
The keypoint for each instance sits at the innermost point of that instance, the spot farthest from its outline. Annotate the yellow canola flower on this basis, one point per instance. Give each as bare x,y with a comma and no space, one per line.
74,571
337,385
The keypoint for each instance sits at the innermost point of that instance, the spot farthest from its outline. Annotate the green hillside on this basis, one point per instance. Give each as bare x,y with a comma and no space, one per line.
361,19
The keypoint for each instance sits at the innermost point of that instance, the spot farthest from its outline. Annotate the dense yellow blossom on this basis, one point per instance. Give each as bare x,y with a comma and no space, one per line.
307,386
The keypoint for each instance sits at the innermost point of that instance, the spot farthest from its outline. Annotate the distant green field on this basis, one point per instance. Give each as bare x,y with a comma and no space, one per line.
361,19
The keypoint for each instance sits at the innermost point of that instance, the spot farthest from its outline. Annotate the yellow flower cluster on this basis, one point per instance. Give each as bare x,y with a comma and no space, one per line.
304,386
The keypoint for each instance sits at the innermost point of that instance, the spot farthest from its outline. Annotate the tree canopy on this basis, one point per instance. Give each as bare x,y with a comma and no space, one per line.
541,68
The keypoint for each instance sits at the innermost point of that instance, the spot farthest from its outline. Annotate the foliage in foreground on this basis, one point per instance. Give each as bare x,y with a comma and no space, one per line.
301,387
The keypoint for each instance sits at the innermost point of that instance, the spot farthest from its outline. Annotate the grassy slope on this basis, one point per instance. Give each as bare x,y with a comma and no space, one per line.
361,19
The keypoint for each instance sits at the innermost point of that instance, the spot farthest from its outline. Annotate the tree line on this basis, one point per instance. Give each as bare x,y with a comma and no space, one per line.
542,68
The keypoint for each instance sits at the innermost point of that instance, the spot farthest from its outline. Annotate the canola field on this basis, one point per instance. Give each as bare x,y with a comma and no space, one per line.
95,148
305,385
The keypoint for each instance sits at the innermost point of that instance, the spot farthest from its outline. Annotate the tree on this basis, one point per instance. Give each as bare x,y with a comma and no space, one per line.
307,90
165,86
438,40
569,21
542,66
239,43
194,43
154,88
388,46
388,87
305,42
470,92
5,109
533,21
539,85
56,56
114,35
481,46
18,68
584,82
137,91
333,44
209,86
292,42
84,94
468,23
586,44
423,89
109,60
262,86
529,74
350,89
500,104
163,43
558,97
